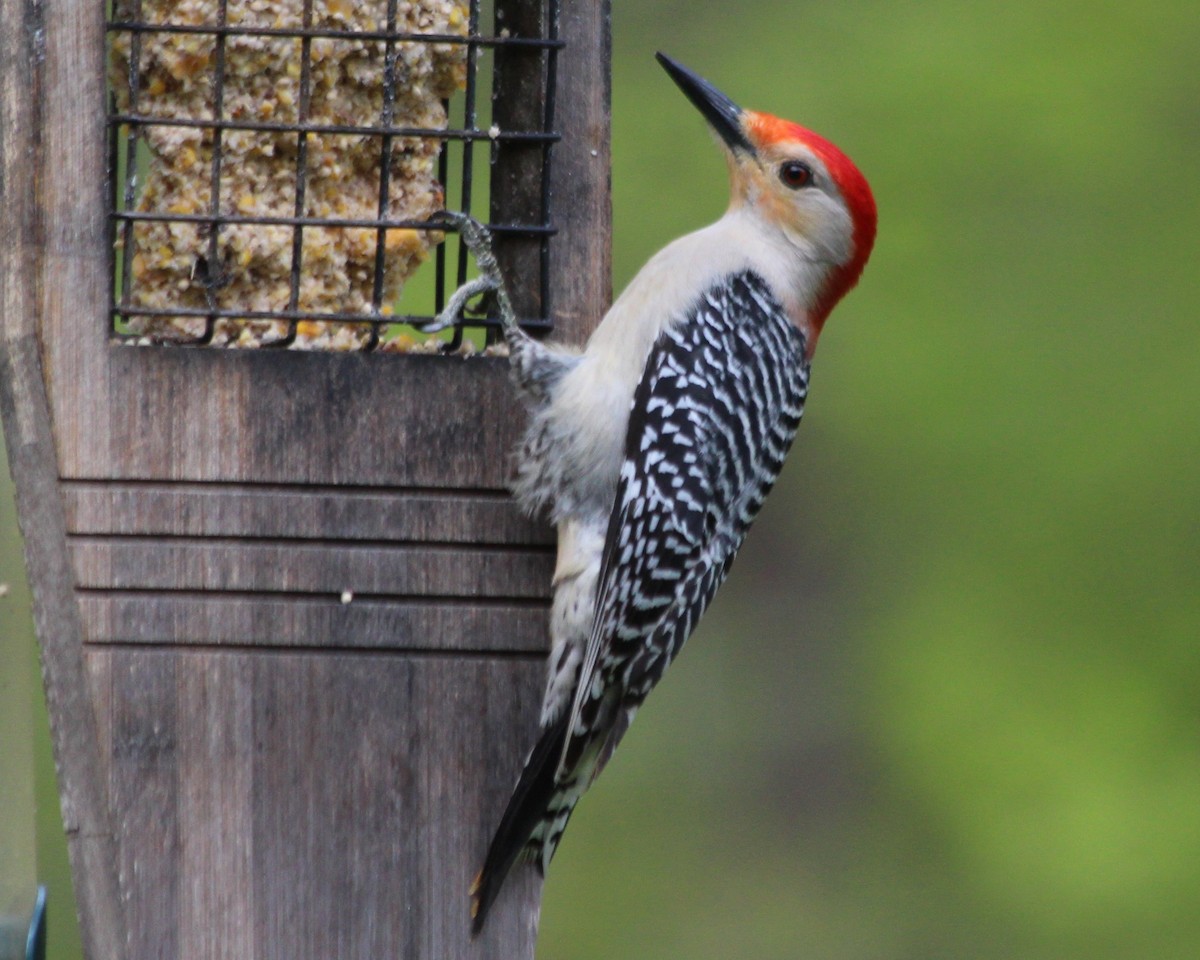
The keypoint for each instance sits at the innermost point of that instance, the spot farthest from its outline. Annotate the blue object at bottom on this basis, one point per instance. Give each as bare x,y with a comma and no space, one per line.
35,943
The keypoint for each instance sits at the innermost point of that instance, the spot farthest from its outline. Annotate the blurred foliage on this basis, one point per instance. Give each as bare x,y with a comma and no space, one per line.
948,704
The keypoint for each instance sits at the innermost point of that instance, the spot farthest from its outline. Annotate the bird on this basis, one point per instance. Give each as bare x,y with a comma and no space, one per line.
653,447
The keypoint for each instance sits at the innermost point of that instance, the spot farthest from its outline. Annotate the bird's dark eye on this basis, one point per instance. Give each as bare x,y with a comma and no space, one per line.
795,174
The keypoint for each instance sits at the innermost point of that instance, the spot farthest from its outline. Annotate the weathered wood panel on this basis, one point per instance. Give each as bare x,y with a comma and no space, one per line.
300,567
219,564
511,626
290,417
250,768
299,512
25,408
271,774
516,195
580,177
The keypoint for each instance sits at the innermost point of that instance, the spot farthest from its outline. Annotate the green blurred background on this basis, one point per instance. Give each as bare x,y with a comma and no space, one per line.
948,705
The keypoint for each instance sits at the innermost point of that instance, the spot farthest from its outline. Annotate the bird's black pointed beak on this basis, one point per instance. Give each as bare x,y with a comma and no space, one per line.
722,114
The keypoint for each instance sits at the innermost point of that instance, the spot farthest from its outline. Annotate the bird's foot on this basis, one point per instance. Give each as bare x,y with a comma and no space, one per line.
478,240
452,312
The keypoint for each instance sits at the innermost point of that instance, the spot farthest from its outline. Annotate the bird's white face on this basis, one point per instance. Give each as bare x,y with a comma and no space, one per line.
790,189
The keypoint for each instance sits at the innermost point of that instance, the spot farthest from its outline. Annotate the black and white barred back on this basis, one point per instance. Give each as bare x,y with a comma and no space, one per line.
710,424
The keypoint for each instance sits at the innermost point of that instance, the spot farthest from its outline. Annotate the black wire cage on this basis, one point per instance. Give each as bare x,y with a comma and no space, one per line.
292,625
233,126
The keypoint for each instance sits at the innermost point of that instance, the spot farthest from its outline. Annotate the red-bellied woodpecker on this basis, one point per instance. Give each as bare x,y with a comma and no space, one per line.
654,447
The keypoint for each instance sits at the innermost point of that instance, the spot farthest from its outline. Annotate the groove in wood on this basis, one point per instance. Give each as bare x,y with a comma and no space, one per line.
206,619
297,512
228,565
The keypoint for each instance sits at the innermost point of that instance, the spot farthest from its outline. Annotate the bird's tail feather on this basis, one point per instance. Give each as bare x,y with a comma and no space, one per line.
532,801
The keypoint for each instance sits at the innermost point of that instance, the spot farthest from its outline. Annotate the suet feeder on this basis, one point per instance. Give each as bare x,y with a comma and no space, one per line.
292,626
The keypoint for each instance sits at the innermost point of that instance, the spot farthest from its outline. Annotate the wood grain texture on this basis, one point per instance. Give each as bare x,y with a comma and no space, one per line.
25,409
219,566
285,417
250,769
84,801
257,620
516,194
580,178
299,512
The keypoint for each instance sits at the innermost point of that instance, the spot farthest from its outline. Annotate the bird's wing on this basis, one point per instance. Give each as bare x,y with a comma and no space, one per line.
712,419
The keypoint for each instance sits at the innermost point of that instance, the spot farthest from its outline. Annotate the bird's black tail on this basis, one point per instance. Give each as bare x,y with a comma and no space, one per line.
527,809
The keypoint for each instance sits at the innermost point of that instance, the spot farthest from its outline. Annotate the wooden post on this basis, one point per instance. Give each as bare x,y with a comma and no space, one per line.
292,626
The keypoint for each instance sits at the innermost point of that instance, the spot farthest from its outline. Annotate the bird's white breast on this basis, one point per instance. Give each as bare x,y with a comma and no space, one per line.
590,410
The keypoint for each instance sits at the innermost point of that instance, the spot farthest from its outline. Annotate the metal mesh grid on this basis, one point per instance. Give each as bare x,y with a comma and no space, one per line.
521,50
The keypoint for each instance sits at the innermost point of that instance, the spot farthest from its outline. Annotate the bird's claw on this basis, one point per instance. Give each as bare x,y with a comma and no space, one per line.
478,240
452,312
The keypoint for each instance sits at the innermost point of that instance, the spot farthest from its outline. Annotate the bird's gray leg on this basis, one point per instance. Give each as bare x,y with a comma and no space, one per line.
536,367
479,242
